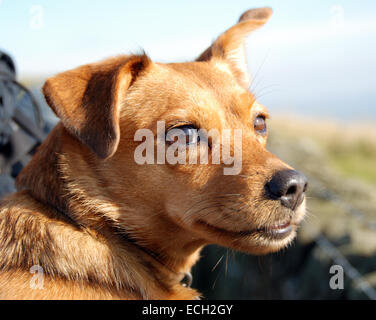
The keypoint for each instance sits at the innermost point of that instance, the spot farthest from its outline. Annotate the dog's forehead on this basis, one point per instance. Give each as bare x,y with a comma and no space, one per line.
210,82
213,75
204,93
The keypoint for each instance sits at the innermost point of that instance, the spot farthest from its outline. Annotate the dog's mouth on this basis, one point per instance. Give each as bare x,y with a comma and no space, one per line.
278,231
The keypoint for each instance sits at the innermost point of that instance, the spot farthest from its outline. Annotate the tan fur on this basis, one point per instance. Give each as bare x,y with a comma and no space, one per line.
103,227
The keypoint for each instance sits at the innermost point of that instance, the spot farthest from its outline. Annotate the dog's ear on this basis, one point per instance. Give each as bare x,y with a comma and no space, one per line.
87,100
230,45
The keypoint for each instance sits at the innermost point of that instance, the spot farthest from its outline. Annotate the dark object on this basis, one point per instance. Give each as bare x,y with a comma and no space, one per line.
288,186
21,125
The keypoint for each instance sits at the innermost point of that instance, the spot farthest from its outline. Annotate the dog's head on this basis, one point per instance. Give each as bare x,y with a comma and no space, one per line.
256,208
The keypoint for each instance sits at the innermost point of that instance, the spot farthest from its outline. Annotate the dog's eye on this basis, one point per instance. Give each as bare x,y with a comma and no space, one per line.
260,125
185,134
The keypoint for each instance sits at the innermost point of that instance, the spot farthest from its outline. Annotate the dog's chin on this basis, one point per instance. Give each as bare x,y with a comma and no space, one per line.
265,243
258,241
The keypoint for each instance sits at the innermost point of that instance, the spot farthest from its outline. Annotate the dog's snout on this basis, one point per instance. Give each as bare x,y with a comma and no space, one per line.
289,187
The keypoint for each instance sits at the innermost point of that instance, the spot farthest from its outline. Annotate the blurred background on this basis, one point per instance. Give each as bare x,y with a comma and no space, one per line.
313,66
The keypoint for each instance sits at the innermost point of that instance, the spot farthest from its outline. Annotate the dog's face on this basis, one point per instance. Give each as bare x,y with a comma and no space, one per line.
104,105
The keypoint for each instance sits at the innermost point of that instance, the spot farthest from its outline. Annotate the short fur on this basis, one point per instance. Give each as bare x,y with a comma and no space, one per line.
103,227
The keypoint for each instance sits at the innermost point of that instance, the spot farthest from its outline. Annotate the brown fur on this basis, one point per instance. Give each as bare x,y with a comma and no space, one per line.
103,227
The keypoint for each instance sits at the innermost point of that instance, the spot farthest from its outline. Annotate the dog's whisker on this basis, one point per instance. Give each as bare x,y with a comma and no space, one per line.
226,269
206,199
206,202
265,93
217,263
266,88
255,77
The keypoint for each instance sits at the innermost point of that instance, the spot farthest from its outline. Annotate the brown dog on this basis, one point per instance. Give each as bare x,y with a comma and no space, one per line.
99,225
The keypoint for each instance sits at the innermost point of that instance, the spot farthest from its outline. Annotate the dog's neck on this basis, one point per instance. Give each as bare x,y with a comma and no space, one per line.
68,181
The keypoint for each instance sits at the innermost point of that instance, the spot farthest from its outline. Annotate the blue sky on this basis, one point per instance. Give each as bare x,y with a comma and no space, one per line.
313,57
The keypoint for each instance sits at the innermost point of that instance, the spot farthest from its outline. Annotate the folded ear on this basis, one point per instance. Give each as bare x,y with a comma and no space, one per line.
87,100
230,45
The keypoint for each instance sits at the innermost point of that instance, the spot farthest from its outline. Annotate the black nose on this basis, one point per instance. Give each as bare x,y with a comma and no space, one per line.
288,186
